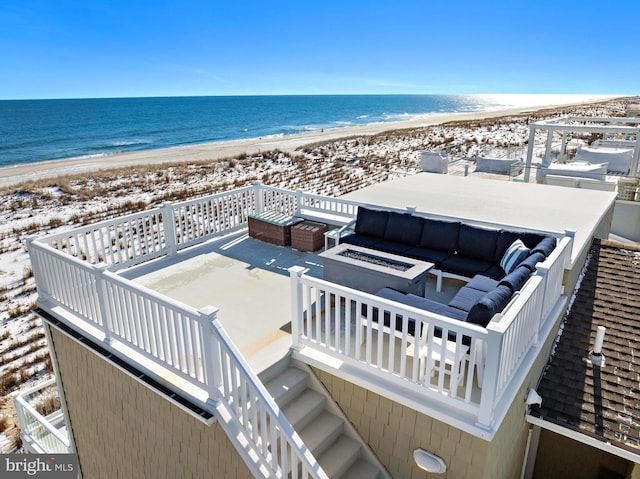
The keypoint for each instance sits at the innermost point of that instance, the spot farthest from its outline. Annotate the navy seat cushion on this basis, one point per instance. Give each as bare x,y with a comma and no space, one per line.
516,279
532,260
371,222
465,266
546,246
494,272
482,283
506,239
465,298
360,240
404,228
393,247
491,303
479,243
431,255
417,302
440,235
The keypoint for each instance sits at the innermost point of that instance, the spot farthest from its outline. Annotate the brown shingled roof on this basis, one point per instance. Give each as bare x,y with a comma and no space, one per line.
600,402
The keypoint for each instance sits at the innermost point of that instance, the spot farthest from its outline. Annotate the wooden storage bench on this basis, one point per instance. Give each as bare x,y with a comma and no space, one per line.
308,235
272,227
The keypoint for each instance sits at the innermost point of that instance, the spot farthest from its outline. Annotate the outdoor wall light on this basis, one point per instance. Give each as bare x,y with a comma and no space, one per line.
427,461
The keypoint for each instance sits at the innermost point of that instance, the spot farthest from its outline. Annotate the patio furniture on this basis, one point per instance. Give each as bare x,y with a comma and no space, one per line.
454,359
272,227
458,250
307,235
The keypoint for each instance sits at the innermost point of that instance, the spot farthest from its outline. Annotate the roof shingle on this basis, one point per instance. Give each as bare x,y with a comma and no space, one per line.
600,402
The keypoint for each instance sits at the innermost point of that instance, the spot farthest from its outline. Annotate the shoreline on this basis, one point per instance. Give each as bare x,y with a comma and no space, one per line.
211,151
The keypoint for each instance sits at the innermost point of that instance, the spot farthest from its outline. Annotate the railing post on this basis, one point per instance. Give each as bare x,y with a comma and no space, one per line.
295,273
101,289
493,354
569,233
543,272
211,345
43,292
169,226
298,198
22,421
257,195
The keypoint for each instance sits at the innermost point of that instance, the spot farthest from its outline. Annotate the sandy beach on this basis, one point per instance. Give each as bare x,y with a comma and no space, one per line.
218,150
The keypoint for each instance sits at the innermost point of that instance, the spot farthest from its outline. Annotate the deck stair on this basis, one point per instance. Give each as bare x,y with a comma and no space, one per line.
340,451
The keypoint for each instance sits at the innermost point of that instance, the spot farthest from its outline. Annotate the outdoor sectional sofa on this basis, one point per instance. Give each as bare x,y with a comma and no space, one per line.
477,255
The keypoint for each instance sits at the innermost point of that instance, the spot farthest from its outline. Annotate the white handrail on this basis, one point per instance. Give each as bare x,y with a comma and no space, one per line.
248,398
172,335
19,400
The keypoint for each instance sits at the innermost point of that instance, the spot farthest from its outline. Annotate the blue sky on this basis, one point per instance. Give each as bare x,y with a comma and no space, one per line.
96,48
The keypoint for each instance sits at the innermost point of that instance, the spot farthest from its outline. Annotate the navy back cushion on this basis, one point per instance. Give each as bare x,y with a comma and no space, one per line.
546,246
404,228
371,222
532,260
491,303
516,279
506,239
477,243
440,235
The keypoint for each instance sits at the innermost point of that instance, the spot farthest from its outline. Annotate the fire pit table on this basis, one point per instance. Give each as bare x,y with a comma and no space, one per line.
370,270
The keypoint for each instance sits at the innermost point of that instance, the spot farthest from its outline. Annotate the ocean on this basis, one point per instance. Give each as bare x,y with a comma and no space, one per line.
40,130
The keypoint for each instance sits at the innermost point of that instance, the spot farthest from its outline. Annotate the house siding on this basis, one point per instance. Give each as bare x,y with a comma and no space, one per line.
394,431
123,429
560,457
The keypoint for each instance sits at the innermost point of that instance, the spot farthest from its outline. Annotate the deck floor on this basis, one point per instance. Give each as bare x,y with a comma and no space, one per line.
248,280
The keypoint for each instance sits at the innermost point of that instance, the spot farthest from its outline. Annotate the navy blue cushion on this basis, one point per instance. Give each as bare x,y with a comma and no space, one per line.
440,235
465,266
482,283
546,246
404,228
506,239
491,303
516,279
494,272
371,222
393,247
466,298
417,302
431,255
360,240
532,260
477,243
443,309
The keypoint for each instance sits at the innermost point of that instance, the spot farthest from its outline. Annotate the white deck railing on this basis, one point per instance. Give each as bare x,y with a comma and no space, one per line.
344,323
189,343
40,434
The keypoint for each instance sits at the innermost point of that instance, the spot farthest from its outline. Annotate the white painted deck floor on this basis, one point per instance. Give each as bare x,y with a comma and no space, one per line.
248,280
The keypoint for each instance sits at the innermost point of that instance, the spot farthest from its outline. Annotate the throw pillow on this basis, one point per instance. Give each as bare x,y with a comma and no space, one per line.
513,256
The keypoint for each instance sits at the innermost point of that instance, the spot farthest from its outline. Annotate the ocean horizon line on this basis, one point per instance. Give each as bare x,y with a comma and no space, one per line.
259,95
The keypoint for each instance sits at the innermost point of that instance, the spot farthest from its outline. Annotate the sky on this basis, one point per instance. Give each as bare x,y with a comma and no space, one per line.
113,48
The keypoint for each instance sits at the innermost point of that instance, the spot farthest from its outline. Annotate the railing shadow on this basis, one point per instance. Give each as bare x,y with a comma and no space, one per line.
240,247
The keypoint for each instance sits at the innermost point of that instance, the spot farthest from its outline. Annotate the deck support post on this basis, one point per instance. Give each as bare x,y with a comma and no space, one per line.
295,273
169,225
211,344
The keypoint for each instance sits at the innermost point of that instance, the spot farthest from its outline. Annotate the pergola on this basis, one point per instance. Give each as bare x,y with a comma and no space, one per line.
615,126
